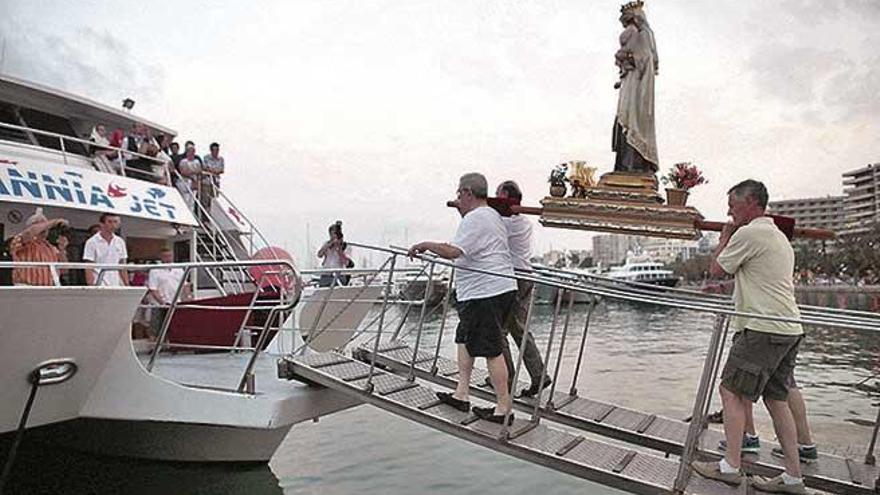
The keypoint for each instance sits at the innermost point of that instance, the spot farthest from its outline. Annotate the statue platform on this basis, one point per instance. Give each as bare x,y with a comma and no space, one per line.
622,203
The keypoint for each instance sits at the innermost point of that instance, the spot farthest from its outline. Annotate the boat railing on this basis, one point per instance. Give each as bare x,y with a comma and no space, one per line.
286,292
721,310
252,229
62,139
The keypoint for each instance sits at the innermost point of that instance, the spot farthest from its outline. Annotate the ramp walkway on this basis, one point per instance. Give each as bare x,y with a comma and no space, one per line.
831,473
624,468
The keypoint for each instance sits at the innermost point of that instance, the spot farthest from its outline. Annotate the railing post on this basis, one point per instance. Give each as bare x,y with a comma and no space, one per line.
695,429
167,322
63,150
535,413
313,333
562,338
425,297
446,297
577,369
869,457
505,434
369,385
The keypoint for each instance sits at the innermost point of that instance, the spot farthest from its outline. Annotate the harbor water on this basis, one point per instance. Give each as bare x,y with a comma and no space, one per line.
637,356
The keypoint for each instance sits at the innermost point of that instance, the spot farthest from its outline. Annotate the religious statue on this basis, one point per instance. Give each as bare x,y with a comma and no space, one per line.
634,139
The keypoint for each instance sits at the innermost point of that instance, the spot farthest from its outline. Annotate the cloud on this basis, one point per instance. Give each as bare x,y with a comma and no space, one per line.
83,60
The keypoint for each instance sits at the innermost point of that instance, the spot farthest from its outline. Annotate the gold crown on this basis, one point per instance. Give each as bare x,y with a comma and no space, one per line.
630,6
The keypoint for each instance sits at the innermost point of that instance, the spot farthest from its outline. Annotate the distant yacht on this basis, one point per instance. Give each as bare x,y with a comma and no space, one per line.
645,272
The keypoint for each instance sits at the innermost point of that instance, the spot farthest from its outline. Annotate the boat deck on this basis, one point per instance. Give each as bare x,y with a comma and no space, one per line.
832,473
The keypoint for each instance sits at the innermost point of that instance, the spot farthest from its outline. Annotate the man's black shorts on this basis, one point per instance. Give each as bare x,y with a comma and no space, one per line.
481,324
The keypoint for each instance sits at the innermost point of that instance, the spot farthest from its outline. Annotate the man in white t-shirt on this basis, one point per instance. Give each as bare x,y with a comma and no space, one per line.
484,301
105,247
762,358
162,284
519,239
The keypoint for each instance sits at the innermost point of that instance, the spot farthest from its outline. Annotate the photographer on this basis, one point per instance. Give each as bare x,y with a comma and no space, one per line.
336,254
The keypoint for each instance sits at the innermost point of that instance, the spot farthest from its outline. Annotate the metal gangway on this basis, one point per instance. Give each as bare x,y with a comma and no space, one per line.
613,445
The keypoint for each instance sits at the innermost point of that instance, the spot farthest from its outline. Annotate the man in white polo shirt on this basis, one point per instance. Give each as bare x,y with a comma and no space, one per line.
105,247
762,358
484,301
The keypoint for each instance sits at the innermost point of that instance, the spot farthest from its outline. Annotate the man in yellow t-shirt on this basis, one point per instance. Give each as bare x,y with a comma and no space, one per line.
760,258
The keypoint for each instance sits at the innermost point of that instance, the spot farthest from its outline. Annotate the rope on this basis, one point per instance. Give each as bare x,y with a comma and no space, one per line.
34,378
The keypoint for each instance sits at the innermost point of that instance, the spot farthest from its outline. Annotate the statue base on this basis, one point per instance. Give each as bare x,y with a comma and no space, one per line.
625,186
606,209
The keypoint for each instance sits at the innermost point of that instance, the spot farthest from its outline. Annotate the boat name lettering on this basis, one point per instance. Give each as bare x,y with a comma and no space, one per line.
69,188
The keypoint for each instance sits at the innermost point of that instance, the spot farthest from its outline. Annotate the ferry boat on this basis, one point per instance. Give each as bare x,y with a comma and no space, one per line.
216,397
643,272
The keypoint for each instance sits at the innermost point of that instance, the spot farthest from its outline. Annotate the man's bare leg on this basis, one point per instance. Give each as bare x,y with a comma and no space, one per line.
498,374
783,423
465,367
734,423
750,420
799,412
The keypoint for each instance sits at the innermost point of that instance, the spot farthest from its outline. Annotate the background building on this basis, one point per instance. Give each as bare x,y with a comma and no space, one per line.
816,213
861,206
611,249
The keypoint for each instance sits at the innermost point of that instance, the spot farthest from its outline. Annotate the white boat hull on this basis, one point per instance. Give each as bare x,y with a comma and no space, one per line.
42,323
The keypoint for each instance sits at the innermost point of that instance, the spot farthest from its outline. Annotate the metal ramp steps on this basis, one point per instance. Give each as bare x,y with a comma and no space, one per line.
831,473
626,469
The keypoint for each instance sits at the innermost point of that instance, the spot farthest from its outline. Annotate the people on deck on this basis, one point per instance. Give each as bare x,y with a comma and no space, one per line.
190,166
761,259
336,253
519,240
105,247
484,301
213,167
32,245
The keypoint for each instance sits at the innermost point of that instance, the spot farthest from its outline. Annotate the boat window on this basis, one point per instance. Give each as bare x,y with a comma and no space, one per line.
52,123
8,116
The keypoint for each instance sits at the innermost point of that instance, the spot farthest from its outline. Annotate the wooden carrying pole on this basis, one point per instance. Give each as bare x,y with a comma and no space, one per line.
507,207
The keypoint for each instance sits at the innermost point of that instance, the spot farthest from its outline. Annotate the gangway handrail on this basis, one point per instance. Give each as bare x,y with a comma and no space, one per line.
649,289
871,324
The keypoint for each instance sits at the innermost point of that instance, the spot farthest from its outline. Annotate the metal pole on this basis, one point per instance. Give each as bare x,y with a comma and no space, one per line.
716,366
695,429
446,298
369,385
408,306
869,457
504,435
314,331
425,297
63,149
167,322
577,369
247,379
550,405
535,413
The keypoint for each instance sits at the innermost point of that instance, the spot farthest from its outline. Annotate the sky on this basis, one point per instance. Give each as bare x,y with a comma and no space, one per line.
368,111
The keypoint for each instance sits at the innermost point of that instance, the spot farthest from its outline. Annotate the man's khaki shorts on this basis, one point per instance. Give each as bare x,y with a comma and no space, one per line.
760,364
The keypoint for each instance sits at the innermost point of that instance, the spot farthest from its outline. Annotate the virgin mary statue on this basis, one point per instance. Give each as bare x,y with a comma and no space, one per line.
634,139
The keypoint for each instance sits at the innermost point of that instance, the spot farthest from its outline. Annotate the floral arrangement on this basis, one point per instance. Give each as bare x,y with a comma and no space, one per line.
684,176
558,176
